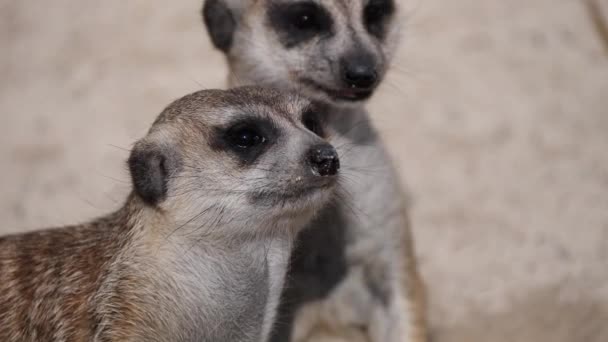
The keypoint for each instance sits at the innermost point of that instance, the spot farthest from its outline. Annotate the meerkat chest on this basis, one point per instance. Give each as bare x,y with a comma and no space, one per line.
374,197
228,294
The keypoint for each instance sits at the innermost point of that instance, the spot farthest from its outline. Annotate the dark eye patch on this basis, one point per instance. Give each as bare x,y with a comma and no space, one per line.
246,138
298,22
376,15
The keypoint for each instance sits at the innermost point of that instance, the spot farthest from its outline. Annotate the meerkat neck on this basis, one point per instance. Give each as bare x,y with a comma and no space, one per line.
206,228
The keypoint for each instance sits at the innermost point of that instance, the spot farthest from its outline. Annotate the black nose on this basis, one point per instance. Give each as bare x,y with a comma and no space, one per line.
324,160
359,71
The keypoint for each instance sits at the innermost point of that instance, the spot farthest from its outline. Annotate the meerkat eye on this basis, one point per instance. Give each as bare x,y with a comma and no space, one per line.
298,22
245,136
374,15
246,139
311,120
304,17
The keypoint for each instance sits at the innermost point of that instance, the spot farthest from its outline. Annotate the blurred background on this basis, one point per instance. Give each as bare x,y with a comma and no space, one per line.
495,111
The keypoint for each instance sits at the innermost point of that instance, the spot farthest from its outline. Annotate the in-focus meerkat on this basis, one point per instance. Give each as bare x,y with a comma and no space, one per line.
353,271
222,183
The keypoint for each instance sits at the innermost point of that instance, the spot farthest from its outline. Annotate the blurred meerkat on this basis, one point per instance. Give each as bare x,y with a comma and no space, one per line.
222,183
353,272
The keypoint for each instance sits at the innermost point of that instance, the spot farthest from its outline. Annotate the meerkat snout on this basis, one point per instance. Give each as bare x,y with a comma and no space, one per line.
324,160
359,71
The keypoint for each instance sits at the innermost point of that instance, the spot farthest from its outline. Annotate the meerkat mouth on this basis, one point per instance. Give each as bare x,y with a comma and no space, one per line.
341,94
306,191
293,194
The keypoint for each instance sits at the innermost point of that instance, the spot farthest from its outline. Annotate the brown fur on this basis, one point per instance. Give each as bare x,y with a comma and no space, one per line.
50,279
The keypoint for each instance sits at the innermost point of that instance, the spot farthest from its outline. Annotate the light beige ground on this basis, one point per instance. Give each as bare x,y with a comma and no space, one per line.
497,112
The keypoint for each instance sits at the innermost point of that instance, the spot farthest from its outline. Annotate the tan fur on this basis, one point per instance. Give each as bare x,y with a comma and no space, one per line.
416,291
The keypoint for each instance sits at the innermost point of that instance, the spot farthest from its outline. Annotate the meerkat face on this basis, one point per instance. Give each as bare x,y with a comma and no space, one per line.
249,154
332,50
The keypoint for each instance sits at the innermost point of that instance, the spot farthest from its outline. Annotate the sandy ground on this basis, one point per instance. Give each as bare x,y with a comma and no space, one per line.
496,111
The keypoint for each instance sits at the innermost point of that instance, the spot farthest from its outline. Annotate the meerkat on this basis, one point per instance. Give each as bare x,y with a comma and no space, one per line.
353,274
222,183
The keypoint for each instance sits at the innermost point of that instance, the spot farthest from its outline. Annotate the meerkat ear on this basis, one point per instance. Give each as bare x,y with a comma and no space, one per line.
221,19
150,166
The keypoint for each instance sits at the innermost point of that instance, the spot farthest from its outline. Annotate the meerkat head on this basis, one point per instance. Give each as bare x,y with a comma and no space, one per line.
332,50
250,155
